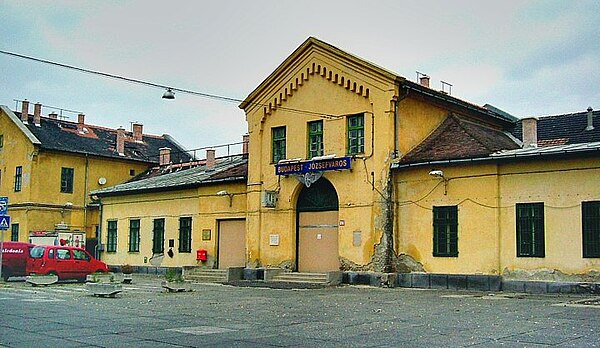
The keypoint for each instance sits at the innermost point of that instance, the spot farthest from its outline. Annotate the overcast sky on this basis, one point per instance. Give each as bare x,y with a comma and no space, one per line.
529,58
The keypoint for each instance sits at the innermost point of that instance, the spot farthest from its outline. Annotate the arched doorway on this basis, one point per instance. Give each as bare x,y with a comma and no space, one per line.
317,228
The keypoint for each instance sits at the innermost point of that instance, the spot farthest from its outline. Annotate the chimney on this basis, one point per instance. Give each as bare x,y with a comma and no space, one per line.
210,158
24,110
80,122
246,142
138,130
590,119
53,115
121,141
529,131
164,156
424,81
37,114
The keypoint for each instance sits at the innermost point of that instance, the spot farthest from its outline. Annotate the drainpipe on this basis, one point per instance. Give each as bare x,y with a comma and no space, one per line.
99,237
85,193
396,120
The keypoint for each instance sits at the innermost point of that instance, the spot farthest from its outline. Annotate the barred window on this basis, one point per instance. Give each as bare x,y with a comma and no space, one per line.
18,178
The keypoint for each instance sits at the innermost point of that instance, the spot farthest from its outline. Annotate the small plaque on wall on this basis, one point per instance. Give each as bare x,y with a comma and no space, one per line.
206,234
274,239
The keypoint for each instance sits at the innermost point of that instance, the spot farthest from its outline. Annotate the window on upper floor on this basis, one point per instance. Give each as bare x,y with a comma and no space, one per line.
590,216
530,229
111,236
14,232
158,236
66,180
134,235
278,144
356,134
1,141
185,234
445,231
18,178
315,139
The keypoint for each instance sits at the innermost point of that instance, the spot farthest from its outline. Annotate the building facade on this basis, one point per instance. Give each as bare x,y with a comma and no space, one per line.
49,166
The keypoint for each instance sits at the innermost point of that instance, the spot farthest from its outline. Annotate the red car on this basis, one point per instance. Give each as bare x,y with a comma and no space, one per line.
14,259
64,261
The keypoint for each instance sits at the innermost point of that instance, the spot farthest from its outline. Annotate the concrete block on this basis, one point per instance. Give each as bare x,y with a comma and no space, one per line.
438,281
562,288
356,278
334,278
478,282
495,282
420,280
404,280
375,279
235,273
457,281
513,285
272,272
532,287
254,274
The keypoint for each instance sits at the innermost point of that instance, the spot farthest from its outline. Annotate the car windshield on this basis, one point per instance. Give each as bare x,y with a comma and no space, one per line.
37,252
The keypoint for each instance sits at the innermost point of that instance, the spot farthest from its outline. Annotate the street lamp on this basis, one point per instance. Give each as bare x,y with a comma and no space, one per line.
169,94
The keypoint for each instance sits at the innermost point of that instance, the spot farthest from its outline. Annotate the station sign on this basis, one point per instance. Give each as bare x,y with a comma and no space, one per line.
313,166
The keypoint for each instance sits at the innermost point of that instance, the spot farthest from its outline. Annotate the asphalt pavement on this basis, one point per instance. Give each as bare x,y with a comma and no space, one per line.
66,315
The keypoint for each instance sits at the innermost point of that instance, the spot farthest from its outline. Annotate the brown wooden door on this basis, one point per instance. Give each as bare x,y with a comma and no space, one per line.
318,241
232,243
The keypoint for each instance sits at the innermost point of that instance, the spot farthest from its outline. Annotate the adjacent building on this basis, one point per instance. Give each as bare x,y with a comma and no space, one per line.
49,165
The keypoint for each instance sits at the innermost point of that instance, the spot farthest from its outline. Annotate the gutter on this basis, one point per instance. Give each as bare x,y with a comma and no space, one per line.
491,158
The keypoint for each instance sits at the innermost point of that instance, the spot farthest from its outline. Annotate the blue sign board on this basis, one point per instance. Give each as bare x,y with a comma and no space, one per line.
3,205
4,222
320,165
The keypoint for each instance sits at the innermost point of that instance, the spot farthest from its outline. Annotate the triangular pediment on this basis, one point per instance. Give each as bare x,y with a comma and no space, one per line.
317,59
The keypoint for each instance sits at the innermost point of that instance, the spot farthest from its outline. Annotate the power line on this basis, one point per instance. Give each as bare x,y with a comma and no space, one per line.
161,86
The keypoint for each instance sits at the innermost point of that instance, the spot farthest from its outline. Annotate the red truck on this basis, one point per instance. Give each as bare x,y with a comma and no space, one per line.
14,259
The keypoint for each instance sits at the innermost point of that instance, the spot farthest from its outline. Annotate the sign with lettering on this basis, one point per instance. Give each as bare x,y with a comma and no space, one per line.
3,205
320,165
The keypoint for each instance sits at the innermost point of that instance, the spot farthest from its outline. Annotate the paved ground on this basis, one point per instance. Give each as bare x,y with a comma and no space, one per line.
65,315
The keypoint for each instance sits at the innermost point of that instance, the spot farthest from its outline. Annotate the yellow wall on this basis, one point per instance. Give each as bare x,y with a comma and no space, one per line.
202,204
486,195
359,189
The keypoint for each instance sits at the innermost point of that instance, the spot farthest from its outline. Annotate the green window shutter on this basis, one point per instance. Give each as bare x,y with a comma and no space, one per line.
134,235
185,234
445,231
315,139
590,215
530,229
14,232
278,135
111,236
356,134
158,236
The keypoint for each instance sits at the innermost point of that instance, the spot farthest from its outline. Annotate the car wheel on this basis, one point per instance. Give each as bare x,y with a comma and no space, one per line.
6,273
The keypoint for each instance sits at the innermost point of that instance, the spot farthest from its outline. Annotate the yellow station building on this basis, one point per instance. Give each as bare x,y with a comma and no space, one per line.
352,167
